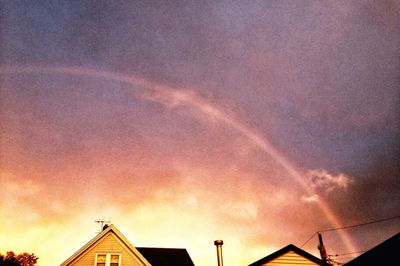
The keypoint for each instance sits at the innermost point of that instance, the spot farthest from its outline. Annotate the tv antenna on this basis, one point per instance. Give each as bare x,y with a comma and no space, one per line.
102,223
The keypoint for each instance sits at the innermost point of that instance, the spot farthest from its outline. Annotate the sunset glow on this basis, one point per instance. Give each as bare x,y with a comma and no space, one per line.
257,124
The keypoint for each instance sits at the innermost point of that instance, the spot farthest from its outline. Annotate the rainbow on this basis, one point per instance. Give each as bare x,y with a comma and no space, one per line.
184,96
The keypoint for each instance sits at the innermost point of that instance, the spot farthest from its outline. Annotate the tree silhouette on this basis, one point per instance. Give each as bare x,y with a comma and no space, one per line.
23,259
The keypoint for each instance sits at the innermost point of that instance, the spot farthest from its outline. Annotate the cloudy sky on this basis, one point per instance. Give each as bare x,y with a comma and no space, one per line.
182,122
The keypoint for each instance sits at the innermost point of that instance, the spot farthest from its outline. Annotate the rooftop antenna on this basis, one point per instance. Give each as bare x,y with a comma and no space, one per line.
102,223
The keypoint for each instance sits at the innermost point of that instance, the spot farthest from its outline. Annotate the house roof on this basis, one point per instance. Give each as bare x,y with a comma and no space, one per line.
385,251
108,230
166,256
285,250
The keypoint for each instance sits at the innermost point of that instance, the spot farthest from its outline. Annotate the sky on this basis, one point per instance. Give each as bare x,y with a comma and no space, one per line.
256,122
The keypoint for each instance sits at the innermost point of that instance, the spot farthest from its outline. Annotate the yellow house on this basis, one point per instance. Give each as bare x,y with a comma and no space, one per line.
111,248
289,256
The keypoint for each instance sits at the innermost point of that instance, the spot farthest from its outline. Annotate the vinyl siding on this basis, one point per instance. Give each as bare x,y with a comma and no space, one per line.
290,259
109,244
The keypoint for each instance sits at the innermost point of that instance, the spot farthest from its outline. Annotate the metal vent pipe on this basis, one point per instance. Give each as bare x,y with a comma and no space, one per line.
219,244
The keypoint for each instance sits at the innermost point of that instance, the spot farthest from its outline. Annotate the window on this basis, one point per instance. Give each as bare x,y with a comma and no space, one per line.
108,259
101,260
114,260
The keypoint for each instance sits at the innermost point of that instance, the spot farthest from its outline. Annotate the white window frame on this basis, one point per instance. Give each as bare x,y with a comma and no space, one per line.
108,258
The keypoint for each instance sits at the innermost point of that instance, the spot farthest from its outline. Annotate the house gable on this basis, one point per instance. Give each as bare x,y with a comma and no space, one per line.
107,242
289,255
291,258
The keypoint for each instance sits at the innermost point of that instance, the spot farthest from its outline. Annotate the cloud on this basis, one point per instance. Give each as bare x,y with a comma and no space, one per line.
321,180
18,188
310,198
245,210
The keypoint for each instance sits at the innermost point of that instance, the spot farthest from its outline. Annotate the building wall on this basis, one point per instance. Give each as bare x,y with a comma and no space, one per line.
109,244
289,259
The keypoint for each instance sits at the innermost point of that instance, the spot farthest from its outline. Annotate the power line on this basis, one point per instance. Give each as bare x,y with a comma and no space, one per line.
349,253
308,240
351,226
362,224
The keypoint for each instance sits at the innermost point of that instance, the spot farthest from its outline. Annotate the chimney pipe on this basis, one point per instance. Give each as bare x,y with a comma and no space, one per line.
219,244
321,247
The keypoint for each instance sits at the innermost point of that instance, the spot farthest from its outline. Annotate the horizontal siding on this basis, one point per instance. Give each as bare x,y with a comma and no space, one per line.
108,244
290,259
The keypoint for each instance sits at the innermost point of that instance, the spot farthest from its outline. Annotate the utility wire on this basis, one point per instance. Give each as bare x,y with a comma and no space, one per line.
308,240
351,226
345,254
362,224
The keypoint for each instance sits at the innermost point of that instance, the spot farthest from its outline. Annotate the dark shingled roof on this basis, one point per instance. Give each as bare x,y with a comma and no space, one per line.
166,256
385,252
